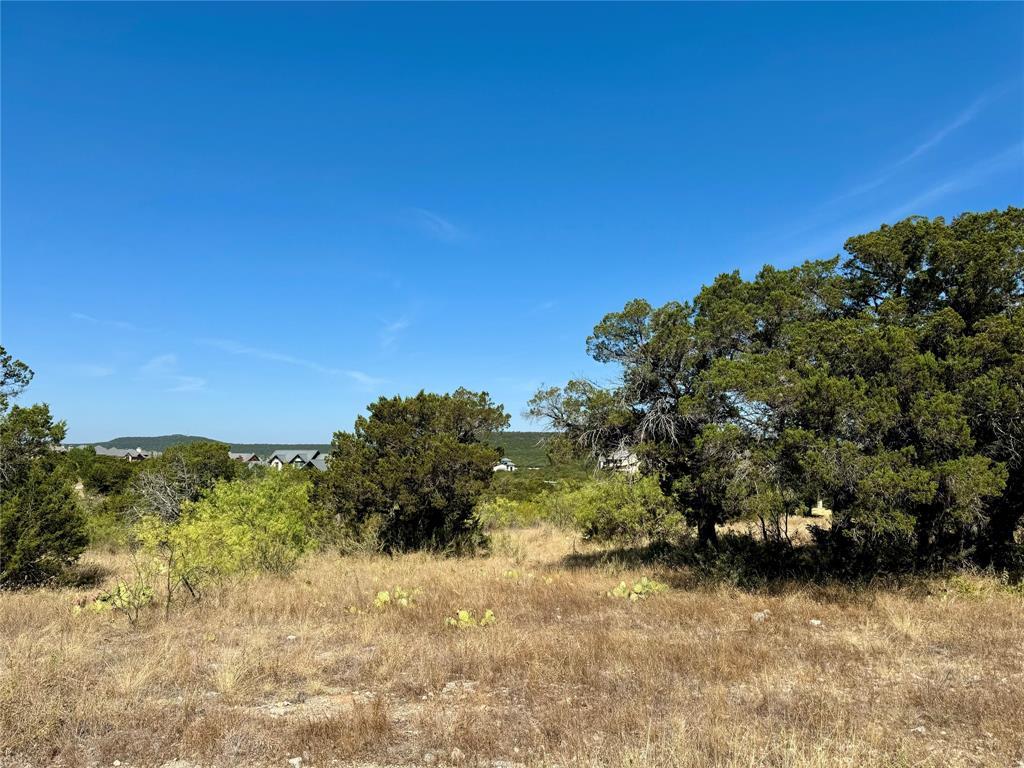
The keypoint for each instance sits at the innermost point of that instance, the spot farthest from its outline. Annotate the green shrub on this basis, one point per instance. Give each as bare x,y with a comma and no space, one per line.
127,597
614,508
108,474
618,509
107,522
415,469
508,513
42,530
238,526
529,484
245,525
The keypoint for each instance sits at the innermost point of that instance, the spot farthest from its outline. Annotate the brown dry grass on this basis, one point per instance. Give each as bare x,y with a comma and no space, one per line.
272,668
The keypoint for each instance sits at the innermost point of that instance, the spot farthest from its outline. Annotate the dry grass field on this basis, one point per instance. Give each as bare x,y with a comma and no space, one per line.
268,669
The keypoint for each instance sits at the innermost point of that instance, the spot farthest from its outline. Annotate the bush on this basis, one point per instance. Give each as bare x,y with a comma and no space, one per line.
181,475
106,522
249,526
127,597
42,531
507,513
238,526
109,475
413,471
618,509
531,484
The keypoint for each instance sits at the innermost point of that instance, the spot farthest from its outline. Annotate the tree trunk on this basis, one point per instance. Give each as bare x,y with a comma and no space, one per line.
707,535
997,544
923,535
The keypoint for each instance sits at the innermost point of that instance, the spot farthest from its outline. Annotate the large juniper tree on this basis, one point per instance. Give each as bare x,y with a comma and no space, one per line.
889,384
413,470
41,527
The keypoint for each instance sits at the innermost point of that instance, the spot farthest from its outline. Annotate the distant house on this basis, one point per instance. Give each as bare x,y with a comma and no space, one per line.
251,459
128,454
620,460
505,465
298,459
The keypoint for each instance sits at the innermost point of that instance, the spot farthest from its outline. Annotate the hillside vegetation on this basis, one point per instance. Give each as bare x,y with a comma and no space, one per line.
163,442
527,449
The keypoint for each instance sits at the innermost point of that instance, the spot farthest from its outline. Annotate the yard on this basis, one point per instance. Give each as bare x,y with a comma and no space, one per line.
930,673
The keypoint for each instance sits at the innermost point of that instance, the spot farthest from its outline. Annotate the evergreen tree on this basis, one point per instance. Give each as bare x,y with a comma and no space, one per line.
413,470
41,528
42,531
891,385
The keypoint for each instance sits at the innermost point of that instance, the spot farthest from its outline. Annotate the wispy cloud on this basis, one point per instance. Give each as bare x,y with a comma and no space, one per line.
1012,156
161,365
164,368
92,370
187,384
369,382
436,226
237,348
84,318
831,241
542,307
391,331
959,121
965,116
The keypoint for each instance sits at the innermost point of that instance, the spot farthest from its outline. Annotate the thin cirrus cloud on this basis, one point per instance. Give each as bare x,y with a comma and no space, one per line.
187,384
830,208
975,175
542,307
436,226
961,119
391,331
237,348
122,324
92,370
1007,159
161,365
164,369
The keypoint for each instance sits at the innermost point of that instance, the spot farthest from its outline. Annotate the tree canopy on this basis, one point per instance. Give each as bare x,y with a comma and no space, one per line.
889,383
413,469
41,528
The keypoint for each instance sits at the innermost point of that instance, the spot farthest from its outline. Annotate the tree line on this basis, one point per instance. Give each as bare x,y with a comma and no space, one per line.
407,477
889,382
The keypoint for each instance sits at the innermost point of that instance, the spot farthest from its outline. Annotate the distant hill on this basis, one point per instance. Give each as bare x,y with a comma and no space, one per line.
527,449
163,442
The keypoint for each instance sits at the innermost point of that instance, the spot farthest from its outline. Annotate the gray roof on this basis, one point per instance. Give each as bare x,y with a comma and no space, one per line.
320,462
122,453
244,456
287,457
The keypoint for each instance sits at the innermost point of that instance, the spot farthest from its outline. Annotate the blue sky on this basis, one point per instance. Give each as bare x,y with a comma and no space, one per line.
248,221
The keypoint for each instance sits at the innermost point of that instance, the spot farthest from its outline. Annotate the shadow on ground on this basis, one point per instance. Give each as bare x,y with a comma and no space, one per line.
753,564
